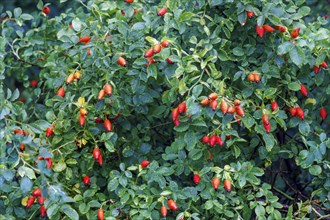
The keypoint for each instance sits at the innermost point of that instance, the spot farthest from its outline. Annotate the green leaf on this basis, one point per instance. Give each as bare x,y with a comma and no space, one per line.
186,16
260,210
60,166
152,71
297,56
76,24
260,21
26,184
26,171
248,122
151,40
193,40
270,92
138,26
284,48
195,154
83,209
180,216
52,210
274,19
89,193
238,51
281,122
26,16
247,92
257,171
182,87
109,145
209,204
207,31
71,161
9,93
107,6
310,101
237,75
269,141
321,34
215,2
112,185
320,58
50,116
323,136
145,148
304,128
304,11
17,12
15,95
190,192
190,139
40,5
198,122
237,151
42,124
166,193
70,212
229,214
294,86
242,18
197,90
315,170
242,181
182,127
165,171
223,55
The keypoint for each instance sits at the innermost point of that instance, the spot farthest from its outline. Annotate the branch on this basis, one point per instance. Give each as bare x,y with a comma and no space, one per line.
27,62
7,19
20,59
283,193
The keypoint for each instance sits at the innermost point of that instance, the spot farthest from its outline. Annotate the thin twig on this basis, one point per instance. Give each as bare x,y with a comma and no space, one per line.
27,62
7,19
283,193
19,58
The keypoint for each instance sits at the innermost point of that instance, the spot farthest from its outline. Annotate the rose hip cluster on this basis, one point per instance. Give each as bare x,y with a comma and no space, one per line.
21,132
181,109
157,48
213,140
254,77
36,194
225,108
98,156
317,68
260,30
212,101
50,130
49,161
266,123
297,111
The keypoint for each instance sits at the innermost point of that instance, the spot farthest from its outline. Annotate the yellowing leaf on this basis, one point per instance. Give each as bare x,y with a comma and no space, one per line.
152,40
81,142
222,87
24,201
81,100
268,163
60,166
19,23
310,101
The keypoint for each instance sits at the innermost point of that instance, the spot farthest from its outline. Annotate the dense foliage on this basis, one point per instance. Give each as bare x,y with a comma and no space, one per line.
189,109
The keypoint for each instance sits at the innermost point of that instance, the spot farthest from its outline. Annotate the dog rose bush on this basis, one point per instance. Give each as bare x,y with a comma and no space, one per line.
143,109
